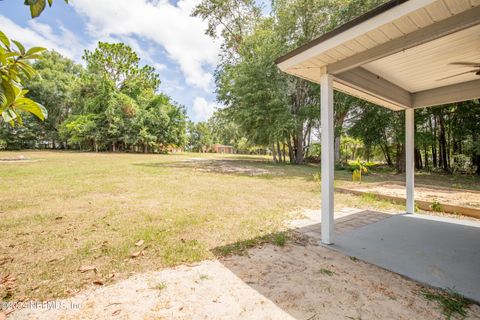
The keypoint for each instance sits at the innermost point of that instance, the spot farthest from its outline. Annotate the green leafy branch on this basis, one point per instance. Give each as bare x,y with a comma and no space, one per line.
37,6
14,72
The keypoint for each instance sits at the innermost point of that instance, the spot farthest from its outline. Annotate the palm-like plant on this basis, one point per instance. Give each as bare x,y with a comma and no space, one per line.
357,173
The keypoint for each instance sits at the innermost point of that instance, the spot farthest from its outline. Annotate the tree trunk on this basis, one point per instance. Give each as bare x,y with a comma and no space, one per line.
477,157
443,143
279,152
433,130
299,146
284,153
339,119
290,151
425,156
274,154
367,153
400,158
337,148
386,153
308,138
418,159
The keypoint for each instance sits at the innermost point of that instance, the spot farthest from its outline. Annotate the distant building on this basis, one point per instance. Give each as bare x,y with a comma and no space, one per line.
220,148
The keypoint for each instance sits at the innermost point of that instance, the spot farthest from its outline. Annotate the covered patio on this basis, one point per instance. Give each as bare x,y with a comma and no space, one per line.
402,55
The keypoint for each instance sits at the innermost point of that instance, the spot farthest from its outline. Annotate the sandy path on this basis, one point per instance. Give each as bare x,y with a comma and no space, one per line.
465,198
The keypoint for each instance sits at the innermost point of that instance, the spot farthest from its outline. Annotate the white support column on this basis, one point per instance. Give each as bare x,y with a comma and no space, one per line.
326,84
410,158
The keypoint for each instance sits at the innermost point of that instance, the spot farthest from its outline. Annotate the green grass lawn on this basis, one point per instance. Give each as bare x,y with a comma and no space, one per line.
66,210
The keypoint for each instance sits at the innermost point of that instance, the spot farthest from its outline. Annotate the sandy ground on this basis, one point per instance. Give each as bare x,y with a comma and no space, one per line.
464,198
269,283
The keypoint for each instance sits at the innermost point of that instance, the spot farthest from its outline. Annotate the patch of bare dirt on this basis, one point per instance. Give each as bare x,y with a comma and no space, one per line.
464,198
228,166
18,159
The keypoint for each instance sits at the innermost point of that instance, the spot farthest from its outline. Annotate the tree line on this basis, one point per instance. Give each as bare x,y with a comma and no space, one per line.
110,105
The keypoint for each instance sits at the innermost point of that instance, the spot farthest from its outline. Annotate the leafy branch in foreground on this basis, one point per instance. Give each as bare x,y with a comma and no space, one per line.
14,72
37,6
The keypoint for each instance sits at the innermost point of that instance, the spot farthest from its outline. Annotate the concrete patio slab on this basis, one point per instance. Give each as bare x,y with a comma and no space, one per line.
437,251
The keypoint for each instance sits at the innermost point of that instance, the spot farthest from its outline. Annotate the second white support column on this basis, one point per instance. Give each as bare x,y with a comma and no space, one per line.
410,158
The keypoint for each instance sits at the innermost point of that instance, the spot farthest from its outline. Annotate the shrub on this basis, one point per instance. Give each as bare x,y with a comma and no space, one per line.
436,206
357,164
462,164
3,144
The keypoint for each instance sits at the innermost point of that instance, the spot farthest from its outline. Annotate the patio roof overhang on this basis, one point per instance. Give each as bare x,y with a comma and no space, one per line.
402,55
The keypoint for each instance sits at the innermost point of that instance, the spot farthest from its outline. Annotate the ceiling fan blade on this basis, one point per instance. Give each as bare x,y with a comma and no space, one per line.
456,75
469,64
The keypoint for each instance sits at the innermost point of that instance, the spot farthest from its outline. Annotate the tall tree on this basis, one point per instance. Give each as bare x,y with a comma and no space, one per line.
118,63
55,87
229,20
199,137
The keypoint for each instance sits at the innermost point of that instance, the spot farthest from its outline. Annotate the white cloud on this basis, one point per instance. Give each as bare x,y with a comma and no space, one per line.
170,26
39,34
202,109
159,66
171,86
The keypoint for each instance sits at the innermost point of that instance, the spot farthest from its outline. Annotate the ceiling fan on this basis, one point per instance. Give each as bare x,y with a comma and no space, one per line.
474,65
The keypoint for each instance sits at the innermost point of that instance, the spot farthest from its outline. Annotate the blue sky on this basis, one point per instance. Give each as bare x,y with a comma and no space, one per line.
161,32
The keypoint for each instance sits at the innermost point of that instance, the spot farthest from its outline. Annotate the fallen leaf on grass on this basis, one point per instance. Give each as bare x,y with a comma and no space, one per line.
137,254
98,282
5,260
69,291
10,287
7,312
7,278
111,304
86,268
139,243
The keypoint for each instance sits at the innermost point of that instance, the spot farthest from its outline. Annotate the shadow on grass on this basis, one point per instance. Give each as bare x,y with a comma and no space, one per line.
265,169
241,248
241,167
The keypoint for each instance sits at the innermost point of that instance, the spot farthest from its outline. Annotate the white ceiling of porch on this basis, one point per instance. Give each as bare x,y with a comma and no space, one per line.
422,67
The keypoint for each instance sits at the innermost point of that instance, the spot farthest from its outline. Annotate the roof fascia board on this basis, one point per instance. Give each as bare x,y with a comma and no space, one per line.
355,31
